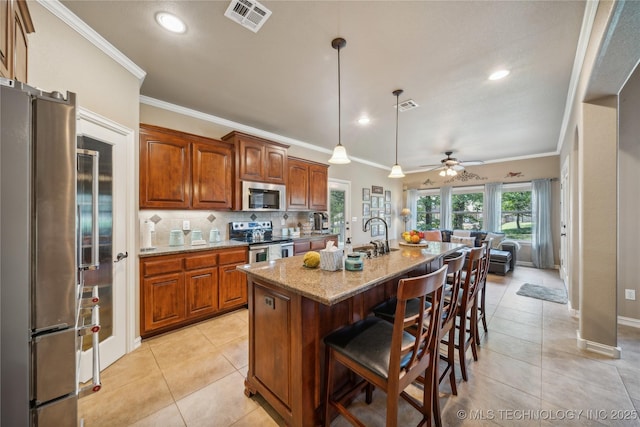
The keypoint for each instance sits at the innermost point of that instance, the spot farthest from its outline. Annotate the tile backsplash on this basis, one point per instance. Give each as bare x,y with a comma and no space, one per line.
167,220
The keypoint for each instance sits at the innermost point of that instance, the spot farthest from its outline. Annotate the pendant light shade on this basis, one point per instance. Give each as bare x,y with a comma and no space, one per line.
339,156
396,170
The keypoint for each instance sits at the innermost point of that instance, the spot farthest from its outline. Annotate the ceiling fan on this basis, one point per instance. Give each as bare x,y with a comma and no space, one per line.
450,166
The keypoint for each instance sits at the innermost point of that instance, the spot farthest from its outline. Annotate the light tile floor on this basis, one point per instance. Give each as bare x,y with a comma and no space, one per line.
529,373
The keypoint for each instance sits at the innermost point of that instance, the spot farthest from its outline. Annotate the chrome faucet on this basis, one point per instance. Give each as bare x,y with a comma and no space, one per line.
386,232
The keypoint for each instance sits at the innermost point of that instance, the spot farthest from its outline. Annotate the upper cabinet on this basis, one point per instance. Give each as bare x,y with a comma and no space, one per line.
183,171
307,185
15,24
259,159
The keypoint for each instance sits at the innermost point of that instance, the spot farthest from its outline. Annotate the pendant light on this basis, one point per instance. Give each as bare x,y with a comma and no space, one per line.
339,156
396,170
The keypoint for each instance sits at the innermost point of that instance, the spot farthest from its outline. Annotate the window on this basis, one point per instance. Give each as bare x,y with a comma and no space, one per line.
466,204
516,211
428,212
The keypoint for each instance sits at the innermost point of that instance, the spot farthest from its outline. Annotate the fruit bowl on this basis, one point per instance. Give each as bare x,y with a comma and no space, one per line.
421,243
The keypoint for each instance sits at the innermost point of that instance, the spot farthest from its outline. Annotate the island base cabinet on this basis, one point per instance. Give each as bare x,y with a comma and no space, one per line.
272,336
286,352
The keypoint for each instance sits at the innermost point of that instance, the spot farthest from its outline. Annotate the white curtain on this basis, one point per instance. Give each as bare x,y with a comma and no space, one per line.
492,211
411,203
446,214
541,239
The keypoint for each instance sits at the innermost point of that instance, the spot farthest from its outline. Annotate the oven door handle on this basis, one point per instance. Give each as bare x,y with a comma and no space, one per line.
258,248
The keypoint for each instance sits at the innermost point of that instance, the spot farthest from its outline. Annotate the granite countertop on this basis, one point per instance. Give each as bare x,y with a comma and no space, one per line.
331,287
168,250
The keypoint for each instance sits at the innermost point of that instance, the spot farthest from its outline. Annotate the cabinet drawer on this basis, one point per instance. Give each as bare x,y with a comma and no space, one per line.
151,268
232,257
201,261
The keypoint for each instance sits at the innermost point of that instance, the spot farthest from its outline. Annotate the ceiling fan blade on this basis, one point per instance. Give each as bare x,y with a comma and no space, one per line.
431,167
472,163
457,167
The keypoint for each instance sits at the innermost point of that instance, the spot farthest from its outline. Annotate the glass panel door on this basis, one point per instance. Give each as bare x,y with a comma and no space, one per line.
339,203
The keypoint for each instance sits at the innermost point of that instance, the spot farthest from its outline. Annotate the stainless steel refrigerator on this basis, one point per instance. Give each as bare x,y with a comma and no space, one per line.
42,282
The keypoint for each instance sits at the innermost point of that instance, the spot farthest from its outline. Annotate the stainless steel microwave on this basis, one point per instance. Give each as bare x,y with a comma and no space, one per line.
260,196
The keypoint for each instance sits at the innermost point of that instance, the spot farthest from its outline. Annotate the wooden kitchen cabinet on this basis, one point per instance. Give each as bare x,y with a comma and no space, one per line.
184,171
259,159
15,24
212,176
233,283
300,246
307,185
179,289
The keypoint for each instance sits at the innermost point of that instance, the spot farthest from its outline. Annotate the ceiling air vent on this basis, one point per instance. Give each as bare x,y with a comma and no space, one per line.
409,104
249,14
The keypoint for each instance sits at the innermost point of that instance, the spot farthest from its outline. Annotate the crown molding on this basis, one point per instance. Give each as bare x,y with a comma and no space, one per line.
72,20
590,10
244,128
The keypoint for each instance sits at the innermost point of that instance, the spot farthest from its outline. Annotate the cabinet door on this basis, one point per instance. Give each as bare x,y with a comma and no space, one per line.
317,245
318,187
212,175
163,301
275,168
298,186
6,45
251,160
165,170
272,332
233,286
301,246
202,291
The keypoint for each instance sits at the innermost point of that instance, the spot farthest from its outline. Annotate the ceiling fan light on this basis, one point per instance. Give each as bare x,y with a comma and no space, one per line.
396,172
451,172
339,156
443,173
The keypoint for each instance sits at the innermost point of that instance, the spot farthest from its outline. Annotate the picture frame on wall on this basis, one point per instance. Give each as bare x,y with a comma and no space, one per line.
375,213
387,196
366,209
387,208
377,189
381,202
374,202
388,219
374,230
366,194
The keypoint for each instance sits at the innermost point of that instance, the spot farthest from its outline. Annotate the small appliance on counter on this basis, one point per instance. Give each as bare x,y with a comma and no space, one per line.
321,222
176,238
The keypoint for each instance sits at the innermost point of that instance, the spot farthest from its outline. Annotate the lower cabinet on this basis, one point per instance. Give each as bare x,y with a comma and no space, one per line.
180,289
301,246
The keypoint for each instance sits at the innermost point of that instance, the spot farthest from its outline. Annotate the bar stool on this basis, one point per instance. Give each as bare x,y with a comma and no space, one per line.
387,311
386,355
482,310
468,307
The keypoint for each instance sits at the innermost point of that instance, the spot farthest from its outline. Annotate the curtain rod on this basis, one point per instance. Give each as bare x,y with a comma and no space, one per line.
510,182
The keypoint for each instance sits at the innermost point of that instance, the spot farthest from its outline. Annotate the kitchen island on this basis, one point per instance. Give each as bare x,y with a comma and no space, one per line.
291,308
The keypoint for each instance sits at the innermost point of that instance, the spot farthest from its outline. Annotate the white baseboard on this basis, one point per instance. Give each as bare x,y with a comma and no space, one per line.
596,347
524,263
137,343
628,321
574,312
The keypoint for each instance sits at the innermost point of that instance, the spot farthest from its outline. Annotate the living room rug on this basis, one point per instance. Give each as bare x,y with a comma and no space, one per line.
557,295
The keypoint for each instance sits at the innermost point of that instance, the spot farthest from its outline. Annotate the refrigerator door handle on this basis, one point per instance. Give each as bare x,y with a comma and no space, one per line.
93,329
95,229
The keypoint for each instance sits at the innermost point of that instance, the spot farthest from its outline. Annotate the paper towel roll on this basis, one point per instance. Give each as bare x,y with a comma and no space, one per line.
147,233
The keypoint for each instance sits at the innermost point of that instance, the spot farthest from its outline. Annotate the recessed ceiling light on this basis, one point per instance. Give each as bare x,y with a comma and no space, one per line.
500,74
364,120
171,22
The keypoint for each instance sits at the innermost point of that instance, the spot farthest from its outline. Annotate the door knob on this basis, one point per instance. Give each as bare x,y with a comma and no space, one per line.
121,256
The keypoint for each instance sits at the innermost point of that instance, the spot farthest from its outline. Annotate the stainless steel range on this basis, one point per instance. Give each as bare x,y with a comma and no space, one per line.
263,244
